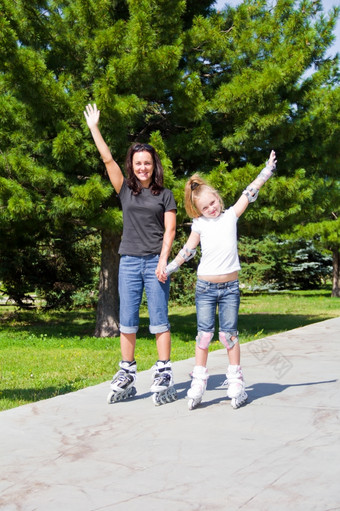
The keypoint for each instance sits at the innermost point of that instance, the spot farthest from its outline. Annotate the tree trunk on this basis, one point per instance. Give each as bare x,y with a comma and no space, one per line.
108,301
336,275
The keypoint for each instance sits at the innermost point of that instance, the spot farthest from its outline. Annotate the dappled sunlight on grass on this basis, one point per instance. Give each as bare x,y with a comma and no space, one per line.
45,354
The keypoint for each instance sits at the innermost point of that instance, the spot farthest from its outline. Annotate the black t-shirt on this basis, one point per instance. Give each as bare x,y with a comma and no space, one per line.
143,220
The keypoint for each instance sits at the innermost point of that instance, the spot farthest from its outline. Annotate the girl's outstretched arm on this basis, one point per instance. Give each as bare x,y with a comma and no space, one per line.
92,115
251,192
185,254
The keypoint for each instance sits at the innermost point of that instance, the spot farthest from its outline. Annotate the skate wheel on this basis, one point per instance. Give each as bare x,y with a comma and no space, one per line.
173,394
110,397
170,397
191,404
237,402
155,399
114,396
164,399
132,391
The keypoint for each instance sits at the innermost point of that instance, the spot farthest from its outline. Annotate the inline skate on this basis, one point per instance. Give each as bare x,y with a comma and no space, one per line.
122,384
163,385
198,385
236,386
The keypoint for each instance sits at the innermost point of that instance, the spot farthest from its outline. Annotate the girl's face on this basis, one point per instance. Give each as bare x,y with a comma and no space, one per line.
142,164
208,205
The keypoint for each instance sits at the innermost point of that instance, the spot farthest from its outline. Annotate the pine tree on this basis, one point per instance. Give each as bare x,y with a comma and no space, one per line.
214,92
56,57
253,70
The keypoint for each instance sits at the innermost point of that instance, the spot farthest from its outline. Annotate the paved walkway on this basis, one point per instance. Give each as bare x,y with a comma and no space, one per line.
279,452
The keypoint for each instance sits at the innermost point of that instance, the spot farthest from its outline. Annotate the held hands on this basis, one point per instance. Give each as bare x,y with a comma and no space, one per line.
160,271
170,268
92,115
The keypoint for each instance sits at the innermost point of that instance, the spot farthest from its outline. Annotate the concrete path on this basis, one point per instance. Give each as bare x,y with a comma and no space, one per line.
279,452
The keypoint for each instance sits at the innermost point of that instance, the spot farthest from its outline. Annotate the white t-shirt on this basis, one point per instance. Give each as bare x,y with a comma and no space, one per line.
218,237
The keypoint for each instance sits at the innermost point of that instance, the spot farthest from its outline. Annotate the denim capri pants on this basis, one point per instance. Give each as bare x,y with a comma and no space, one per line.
226,297
136,274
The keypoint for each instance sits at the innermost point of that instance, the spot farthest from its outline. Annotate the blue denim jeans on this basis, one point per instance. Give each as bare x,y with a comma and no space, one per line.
224,296
136,274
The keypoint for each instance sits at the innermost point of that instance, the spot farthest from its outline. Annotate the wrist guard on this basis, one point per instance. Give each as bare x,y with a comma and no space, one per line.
187,253
251,193
171,267
267,172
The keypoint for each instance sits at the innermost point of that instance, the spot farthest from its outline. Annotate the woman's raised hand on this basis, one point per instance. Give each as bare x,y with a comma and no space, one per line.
92,115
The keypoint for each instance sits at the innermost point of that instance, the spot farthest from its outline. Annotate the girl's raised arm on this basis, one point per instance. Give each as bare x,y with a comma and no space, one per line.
251,192
92,115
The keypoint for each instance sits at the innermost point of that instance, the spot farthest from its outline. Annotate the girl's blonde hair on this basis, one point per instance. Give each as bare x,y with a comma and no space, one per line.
194,188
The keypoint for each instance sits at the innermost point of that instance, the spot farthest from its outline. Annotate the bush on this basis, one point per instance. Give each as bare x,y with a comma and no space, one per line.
55,269
271,263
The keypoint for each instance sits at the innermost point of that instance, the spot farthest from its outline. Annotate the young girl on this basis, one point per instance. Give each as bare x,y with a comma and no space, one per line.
217,282
149,226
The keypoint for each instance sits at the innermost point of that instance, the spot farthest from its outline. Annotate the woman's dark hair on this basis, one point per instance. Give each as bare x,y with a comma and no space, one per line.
157,177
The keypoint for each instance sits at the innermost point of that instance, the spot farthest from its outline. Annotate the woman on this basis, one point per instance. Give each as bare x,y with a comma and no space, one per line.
149,226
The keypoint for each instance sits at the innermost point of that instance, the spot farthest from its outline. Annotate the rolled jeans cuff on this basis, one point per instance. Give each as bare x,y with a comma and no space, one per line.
159,329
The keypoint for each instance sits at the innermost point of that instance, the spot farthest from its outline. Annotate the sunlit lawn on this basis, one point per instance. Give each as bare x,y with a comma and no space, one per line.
46,354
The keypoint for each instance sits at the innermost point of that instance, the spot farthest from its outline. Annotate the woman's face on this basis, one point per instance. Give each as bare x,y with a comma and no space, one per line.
208,205
142,164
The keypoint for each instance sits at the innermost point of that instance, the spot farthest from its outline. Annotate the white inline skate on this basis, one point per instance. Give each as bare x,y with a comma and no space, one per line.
163,384
122,384
236,386
198,385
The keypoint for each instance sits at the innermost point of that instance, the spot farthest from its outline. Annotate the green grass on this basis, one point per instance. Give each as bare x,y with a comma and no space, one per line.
47,354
